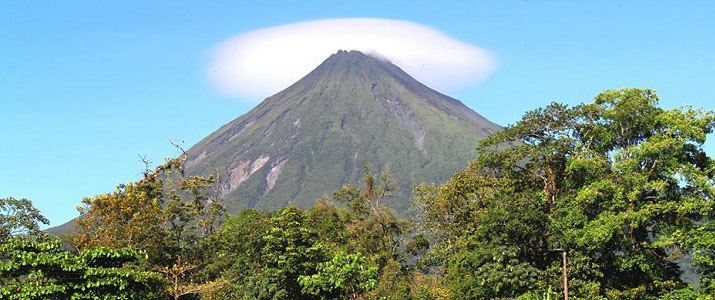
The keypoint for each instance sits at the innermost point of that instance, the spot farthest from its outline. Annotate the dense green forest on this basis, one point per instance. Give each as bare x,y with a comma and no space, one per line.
620,187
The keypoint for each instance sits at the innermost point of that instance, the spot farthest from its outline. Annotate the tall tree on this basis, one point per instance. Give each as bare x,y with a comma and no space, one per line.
166,214
619,183
263,255
374,228
129,217
18,217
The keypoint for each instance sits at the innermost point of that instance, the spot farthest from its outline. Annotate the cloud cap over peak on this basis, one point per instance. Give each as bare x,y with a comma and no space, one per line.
262,62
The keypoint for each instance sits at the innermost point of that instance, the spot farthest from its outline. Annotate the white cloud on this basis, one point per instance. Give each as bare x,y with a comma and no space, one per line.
260,63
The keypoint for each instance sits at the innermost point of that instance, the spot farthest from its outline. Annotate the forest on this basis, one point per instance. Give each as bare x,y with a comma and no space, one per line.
610,199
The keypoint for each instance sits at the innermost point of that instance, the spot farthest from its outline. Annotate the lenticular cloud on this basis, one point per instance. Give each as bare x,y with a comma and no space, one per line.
262,62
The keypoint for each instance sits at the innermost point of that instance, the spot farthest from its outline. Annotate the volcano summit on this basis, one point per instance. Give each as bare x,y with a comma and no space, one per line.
352,111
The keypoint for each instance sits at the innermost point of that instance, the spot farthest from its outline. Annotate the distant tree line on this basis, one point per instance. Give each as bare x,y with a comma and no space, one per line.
621,186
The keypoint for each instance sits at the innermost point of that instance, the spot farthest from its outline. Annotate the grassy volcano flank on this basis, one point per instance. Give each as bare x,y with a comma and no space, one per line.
318,134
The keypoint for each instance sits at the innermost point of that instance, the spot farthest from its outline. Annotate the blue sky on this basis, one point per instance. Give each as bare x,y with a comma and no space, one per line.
86,86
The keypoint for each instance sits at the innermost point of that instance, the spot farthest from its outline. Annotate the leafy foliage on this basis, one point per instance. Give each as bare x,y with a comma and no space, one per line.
374,228
18,217
40,270
268,253
621,183
345,276
165,214
129,217
324,253
702,239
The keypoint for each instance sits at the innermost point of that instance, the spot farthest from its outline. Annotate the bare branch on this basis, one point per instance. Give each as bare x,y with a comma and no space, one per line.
178,145
147,164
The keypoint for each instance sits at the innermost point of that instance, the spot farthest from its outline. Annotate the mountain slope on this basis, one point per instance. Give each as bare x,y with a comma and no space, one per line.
318,134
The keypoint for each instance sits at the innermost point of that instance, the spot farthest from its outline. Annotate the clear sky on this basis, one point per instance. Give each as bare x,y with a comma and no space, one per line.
86,86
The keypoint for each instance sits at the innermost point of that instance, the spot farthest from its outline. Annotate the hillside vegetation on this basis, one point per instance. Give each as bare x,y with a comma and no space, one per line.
619,187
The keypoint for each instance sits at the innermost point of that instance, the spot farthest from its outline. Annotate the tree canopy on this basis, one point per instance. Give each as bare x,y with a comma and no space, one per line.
621,183
18,217
41,270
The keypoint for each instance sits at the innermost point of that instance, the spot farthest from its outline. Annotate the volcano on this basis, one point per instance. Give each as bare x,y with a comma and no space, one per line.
353,110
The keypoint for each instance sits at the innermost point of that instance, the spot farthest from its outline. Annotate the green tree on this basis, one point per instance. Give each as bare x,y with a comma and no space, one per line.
702,240
290,249
373,228
166,214
18,217
326,252
620,183
345,276
236,253
262,255
40,270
